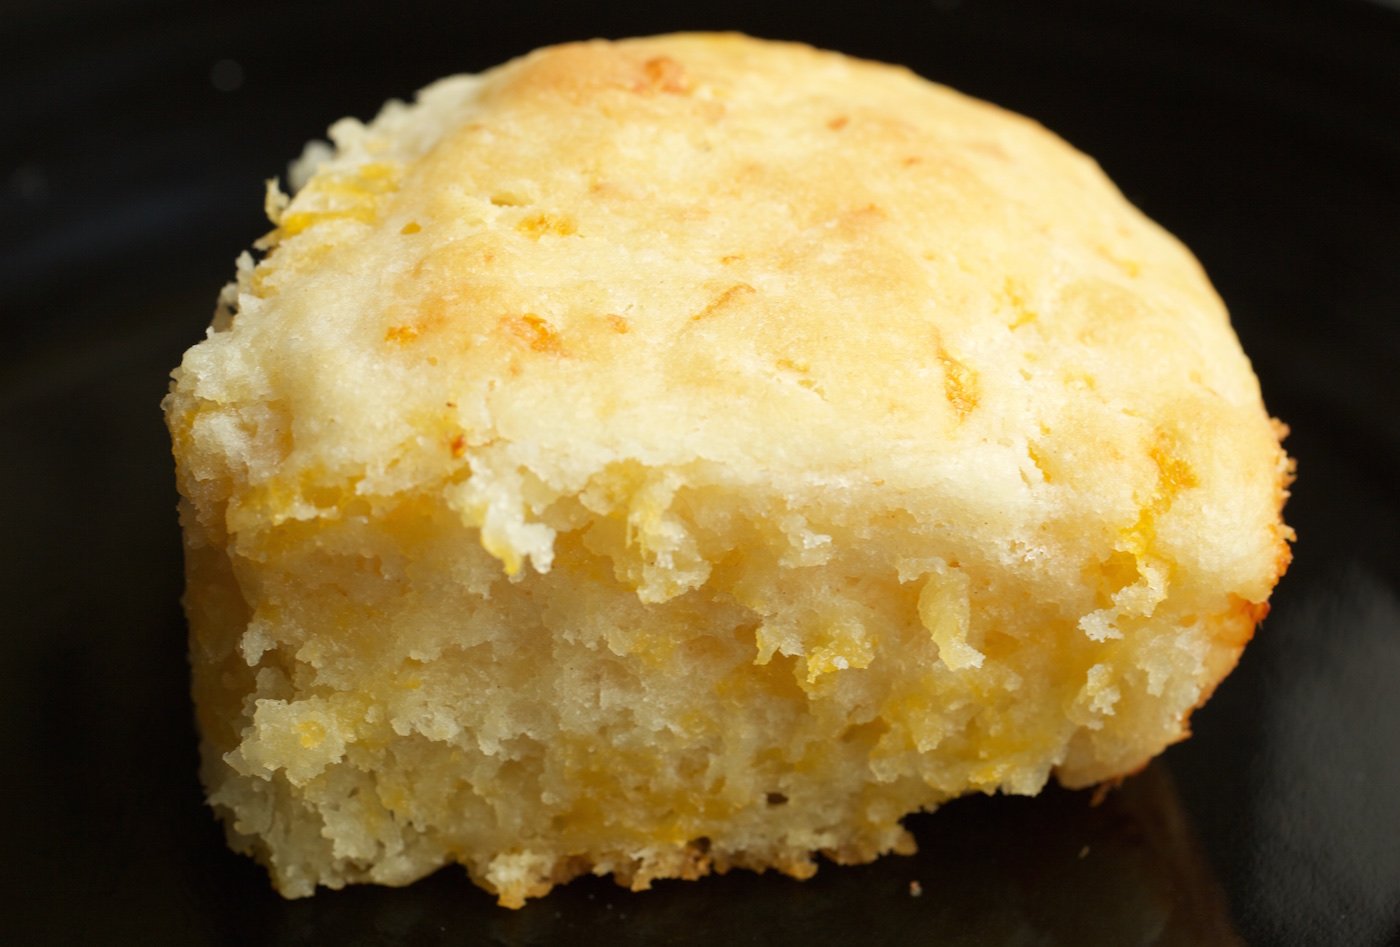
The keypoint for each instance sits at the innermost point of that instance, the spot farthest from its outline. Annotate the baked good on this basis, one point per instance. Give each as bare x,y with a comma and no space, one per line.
662,456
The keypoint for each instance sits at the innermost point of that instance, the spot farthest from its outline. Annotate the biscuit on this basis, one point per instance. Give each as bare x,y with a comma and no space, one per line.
669,455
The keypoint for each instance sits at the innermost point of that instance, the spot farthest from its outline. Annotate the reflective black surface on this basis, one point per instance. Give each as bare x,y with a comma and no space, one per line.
134,137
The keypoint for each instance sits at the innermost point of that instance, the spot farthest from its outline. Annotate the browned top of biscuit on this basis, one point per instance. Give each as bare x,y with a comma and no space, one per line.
734,263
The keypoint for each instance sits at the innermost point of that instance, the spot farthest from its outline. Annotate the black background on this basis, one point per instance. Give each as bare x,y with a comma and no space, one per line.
1265,134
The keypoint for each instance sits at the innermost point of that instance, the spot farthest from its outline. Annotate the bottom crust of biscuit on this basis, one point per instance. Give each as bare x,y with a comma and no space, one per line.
514,877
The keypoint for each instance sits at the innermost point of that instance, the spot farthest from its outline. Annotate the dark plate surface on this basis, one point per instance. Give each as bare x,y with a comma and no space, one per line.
134,137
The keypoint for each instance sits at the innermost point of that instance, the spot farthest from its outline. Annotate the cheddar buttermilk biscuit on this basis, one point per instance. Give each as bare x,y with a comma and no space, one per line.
671,455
